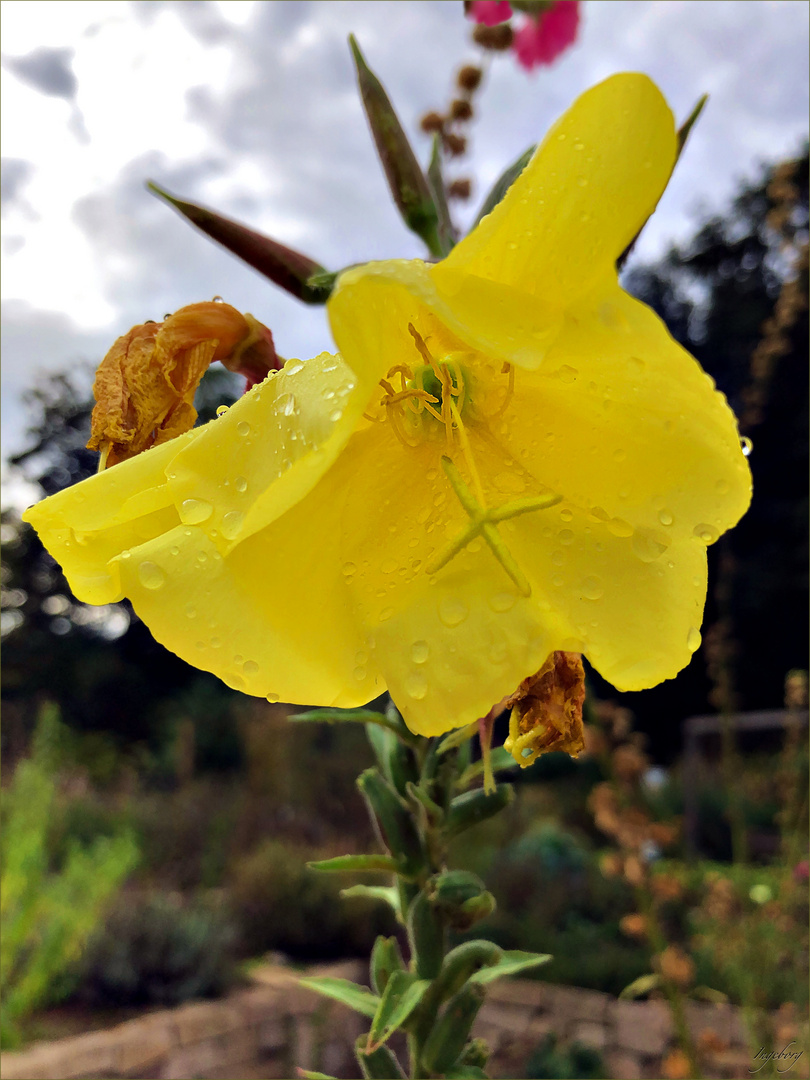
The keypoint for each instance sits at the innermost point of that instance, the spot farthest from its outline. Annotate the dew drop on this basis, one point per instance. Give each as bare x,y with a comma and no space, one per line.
273,698
150,575
619,527
647,546
386,614
592,588
389,566
579,145
216,642
557,580
619,454
746,445
566,515
502,601
359,673
706,533
665,517
250,667
420,651
292,367
452,611
693,639
232,524
567,374
195,511
236,682
416,685
565,536
191,611
221,410
558,558
335,415
509,483
349,568
722,487
243,428
174,551
202,557
286,404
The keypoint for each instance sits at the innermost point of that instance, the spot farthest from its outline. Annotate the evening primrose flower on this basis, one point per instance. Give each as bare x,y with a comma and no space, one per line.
509,458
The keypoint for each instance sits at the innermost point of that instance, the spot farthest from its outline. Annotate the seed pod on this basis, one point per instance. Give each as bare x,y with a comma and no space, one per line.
398,829
426,937
385,960
462,962
475,806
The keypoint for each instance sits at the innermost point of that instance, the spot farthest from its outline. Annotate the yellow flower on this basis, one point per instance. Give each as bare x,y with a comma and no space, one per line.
509,457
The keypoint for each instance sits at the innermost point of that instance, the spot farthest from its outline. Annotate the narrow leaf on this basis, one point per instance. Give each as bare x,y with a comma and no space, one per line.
402,994
305,1074
389,894
682,135
357,716
405,178
282,265
348,993
640,986
708,993
503,183
361,863
512,961
466,1072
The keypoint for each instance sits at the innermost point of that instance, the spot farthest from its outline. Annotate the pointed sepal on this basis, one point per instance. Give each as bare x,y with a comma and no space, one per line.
503,183
402,994
289,269
405,177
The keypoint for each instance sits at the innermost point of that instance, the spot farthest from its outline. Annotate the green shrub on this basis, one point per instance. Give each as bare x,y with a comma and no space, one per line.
47,914
157,949
574,1062
279,904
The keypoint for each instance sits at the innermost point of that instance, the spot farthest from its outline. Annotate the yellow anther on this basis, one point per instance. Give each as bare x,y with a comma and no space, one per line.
507,369
102,460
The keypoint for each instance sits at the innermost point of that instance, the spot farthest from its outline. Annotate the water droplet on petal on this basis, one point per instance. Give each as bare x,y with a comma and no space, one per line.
557,580
452,611
286,404
150,575
240,483
665,517
386,614
619,527
746,445
191,611
619,454
420,651
215,642
722,487
243,428
292,367
558,558
273,698
232,524
359,673
389,566
592,588
707,533
509,483
502,601
195,511
566,515
349,568
567,374
250,667
693,639
565,536
416,685
648,546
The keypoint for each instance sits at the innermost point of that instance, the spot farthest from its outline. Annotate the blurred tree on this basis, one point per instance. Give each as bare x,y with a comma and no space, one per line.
100,665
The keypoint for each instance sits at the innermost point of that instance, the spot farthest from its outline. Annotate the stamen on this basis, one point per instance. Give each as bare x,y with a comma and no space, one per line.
466,450
507,369
423,351
105,453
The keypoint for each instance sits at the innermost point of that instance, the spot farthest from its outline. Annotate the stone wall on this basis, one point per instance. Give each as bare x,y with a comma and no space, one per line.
268,1029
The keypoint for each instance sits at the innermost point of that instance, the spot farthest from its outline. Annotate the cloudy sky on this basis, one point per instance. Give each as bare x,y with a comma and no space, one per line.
251,107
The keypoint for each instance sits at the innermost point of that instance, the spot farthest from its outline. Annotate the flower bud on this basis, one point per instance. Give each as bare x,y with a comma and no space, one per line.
469,78
495,38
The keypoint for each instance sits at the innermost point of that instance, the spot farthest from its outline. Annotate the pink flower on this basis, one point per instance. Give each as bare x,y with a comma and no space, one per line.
491,12
542,40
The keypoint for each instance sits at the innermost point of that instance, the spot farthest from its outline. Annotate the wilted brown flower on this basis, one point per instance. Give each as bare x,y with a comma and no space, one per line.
145,385
455,145
634,870
629,763
431,122
460,189
461,109
547,710
676,966
469,78
498,38
665,887
634,925
676,1065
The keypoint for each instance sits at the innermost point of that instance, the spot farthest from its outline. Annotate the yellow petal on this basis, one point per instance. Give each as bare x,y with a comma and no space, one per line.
624,423
448,645
271,617
587,191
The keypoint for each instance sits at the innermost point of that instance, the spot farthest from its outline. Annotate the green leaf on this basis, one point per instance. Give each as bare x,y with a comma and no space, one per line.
390,894
285,267
358,863
380,1064
357,716
405,177
466,1072
640,986
512,961
476,806
359,998
503,183
305,1074
402,994
447,232
708,993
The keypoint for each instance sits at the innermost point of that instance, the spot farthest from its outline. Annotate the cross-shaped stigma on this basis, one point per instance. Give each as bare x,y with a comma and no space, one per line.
483,522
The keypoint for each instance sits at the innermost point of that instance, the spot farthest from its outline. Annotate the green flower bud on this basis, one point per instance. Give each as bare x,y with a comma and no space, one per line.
385,960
